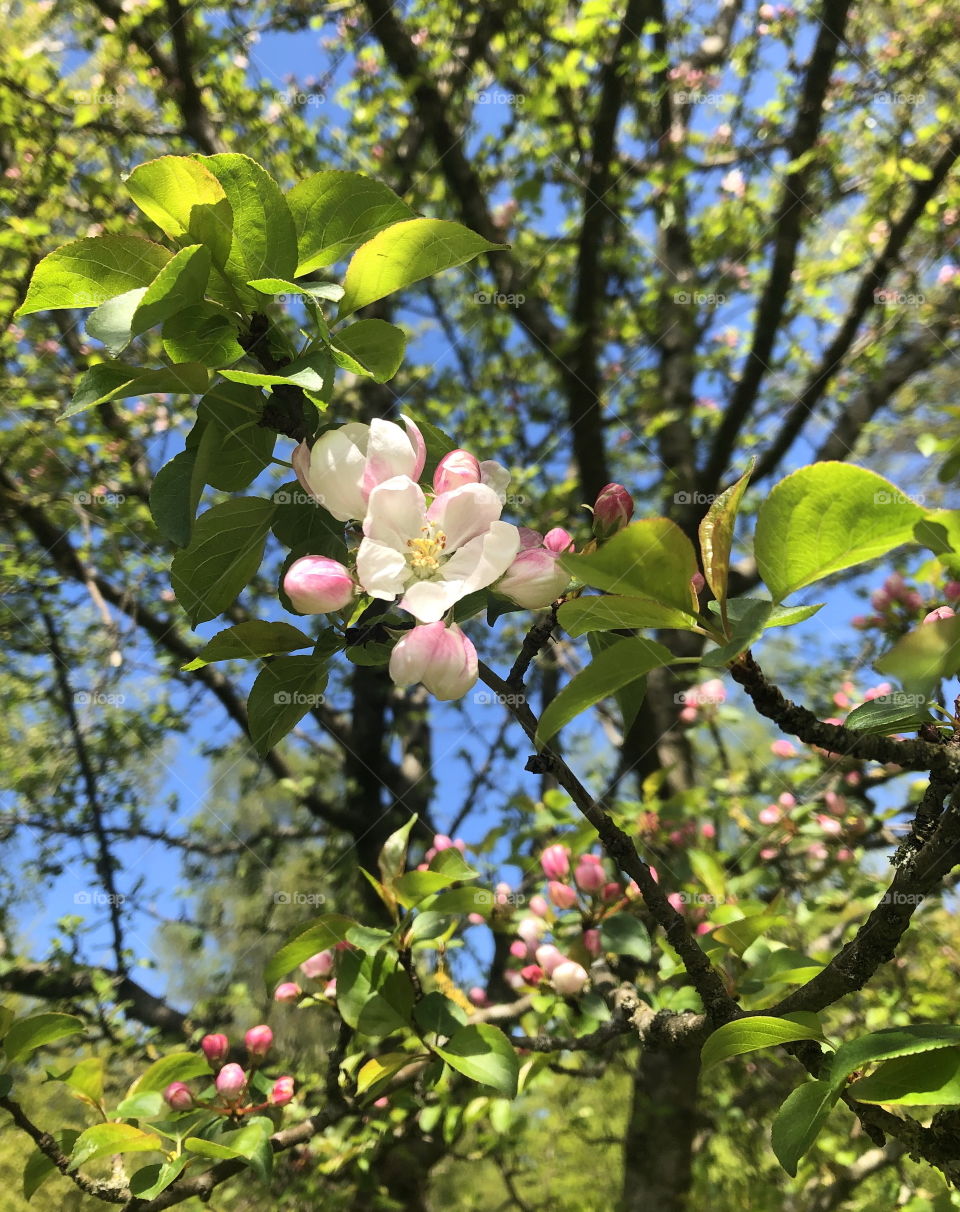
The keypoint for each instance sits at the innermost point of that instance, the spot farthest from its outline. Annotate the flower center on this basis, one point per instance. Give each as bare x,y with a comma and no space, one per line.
427,550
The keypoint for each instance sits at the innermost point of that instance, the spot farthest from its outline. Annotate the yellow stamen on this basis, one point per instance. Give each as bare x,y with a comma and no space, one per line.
425,552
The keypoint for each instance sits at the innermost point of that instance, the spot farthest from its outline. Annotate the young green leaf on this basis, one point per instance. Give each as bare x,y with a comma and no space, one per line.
798,1122
335,212
186,201
252,638
28,1034
88,272
370,347
102,1140
322,935
927,1080
650,559
114,381
484,1054
758,1031
285,690
613,612
716,536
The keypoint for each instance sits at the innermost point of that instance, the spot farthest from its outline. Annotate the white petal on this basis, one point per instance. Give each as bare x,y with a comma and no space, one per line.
481,561
389,453
465,513
396,511
429,601
336,469
380,570
496,476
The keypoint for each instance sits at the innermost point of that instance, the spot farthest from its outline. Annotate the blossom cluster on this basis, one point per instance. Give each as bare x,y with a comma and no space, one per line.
897,606
235,1088
426,549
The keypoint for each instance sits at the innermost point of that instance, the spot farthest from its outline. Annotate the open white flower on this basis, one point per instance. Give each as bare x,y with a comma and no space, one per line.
433,555
346,464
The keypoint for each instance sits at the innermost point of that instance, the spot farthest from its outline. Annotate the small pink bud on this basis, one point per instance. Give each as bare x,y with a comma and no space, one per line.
440,657
317,585
549,957
688,714
455,469
330,990
698,580
783,749
534,579
231,1083
830,825
786,800
677,901
769,815
569,978
912,600
708,830
768,853
531,929
555,862
476,919
844,855
558,540
381,1103
591,942
478,996
612,510
215,1048
880,600
287,992
539,906
952,591
441,842
562,895
178,1096
532,974
282,1092
318,965
590,875
519,949
258,1040
611,892
941,612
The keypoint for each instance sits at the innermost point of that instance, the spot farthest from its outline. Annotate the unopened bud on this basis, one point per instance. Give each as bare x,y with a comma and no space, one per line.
318,965
612,510
231,1083
289,991
215,1048
282,1092
555,862
318,585
258,1040
562,895
178,1096
569,978
590,875
941,612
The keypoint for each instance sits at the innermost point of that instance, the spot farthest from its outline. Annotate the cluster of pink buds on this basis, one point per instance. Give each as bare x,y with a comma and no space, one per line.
810,830
315,968
441,842
232,1082
701,701
898,607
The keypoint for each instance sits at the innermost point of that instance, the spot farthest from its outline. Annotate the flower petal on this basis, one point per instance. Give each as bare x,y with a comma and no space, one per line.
396,511
429,601
465,513
381,570
336,471
390,452
481,561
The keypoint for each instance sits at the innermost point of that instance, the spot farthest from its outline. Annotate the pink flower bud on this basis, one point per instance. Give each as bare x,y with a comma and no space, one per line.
612,510
562,895
318,965
287,992
912,600
550,957
880,599
330,990
688,714
476,919
941,612
829,824
558,540
534,579
532,974
282,1092
569,978
441,842
258,1040
590,875
215,1048
539,906
769,815
952,590
611,892
178,1096
317,585
531,929
231,1083
698,580
768,853
519,949
783,749
555,862
454,469
478,996
591,942
677,901
440,657
786,800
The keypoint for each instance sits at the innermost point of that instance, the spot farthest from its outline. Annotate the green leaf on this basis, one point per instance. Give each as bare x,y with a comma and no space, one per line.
175,494
252,638
650,559
629,698
716,535
416,886
827,517
373,995
485,1055
142,1106
888,713
236,446
940,532
313,372
623,934
739,609
405,253
149,1181
624,662
368,938
86,1079
204,333
27,1034
88,272
335,212
321,935
112,323
311,290
299,521
264,239
437,443
928,1080
114,381
285,690
439,1014
392,859
177,1067
250,1144
798,1122
924,656
186,201
39,1167
888,1044
709,872
179,284
104,1139
370,347
380,1070
756,1032
744,632
224,553
607,613
743,932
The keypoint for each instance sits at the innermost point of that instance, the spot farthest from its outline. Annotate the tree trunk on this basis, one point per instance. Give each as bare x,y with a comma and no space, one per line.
658,1140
